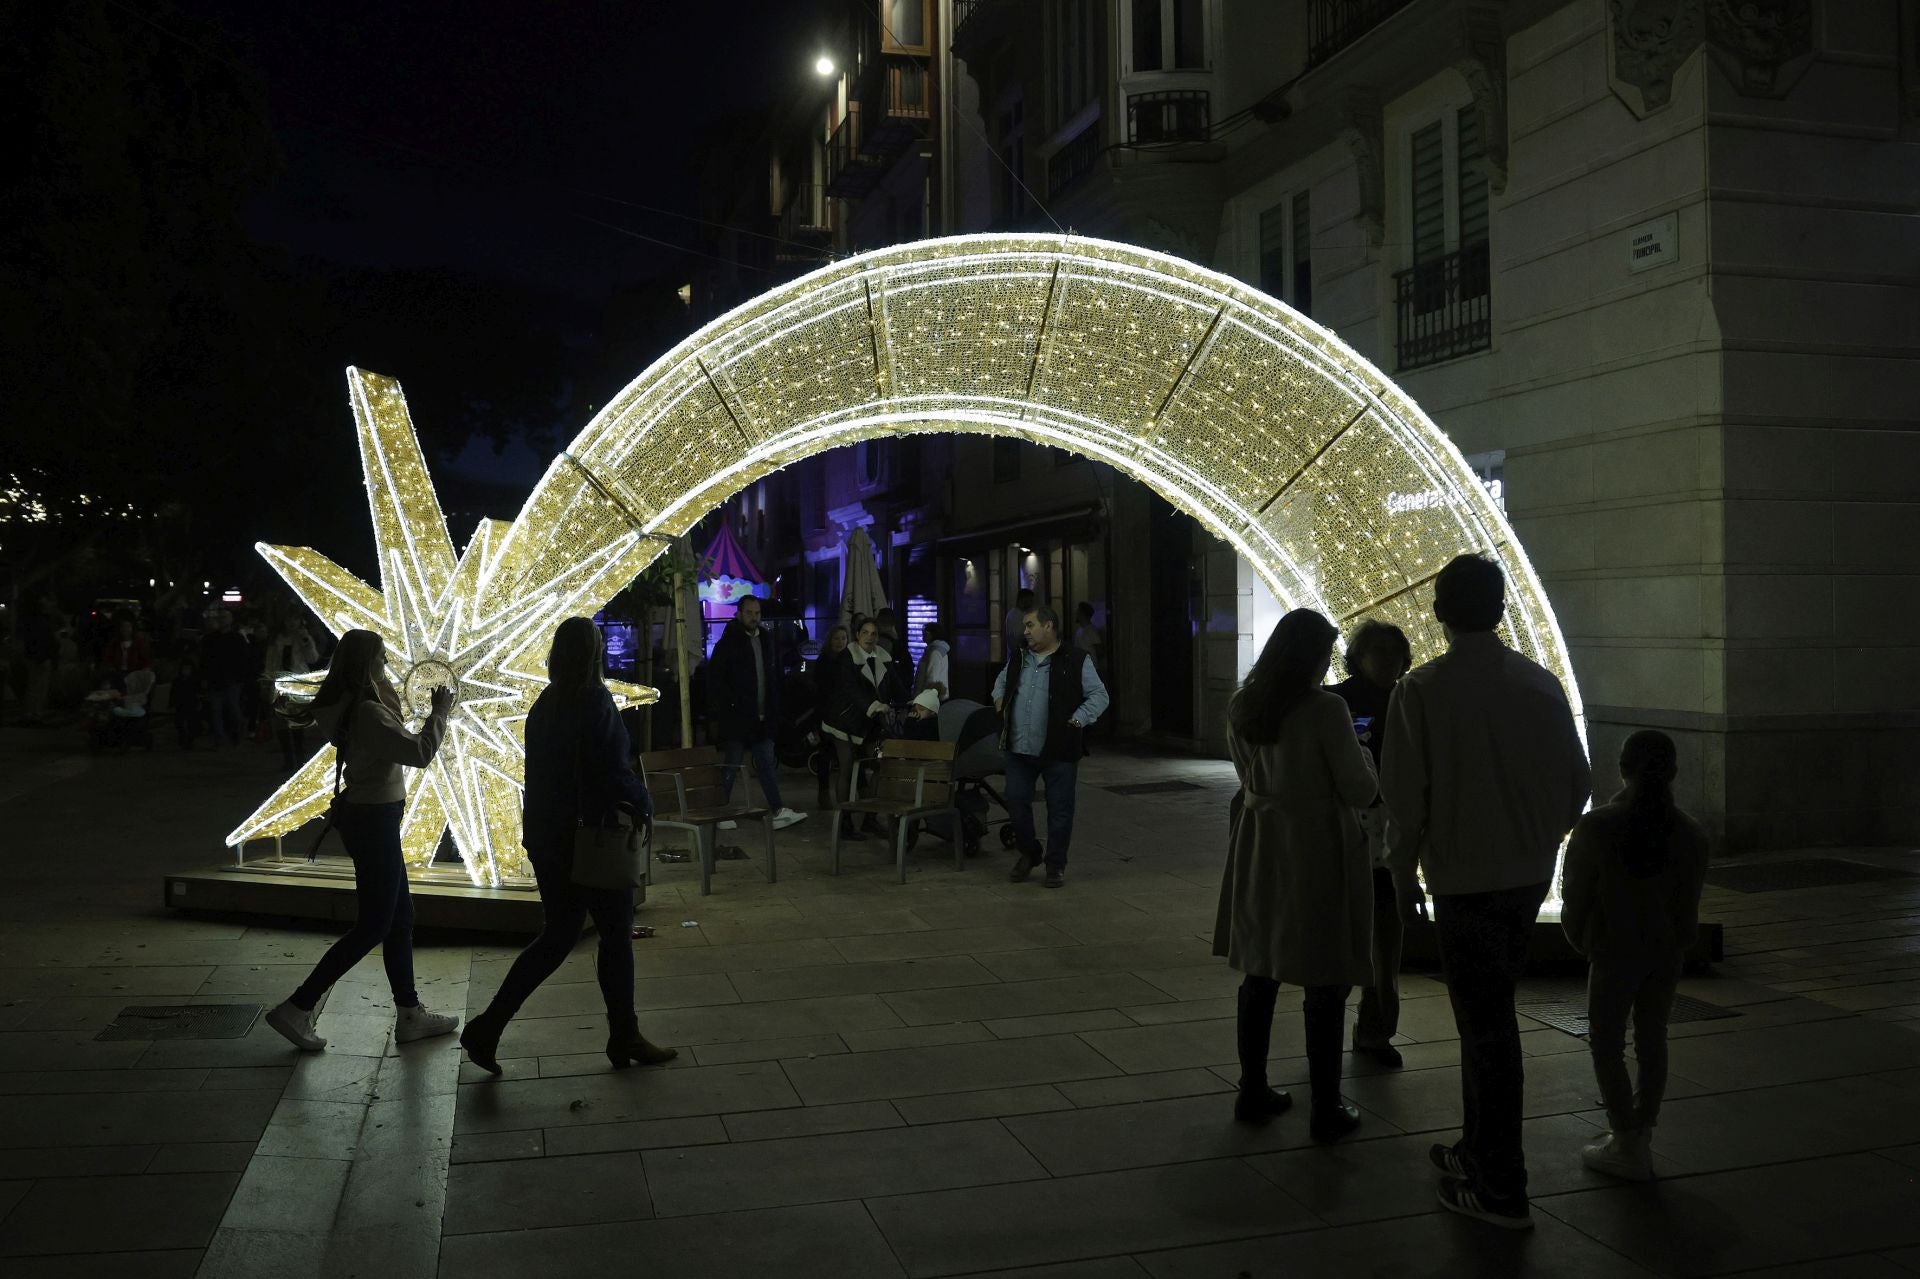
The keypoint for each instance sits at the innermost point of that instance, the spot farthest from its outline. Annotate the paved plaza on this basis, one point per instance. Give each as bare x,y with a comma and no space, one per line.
954,1076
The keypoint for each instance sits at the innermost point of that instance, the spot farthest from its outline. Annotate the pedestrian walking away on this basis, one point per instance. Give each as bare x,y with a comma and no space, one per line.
579,772
1376,658
1484,774
1296,898
1634,871
1047,693
360,712
743,701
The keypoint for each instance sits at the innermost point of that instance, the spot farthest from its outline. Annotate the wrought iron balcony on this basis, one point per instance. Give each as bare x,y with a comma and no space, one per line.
1332,25
1075,160
1444,307
1170,115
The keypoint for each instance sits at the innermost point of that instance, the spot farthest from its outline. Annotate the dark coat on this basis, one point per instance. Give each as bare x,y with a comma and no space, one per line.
732,689
579,766
849,692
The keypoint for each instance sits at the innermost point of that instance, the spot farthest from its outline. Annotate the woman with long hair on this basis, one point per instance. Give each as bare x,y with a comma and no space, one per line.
579,770
1296,900
359,710
1631,892
863,687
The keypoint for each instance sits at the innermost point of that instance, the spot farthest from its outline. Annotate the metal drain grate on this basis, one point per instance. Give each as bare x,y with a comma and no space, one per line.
1151,788
1569,1014
1813,872
182,1021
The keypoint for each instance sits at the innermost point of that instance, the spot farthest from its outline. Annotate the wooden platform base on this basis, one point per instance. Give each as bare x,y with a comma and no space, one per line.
323,889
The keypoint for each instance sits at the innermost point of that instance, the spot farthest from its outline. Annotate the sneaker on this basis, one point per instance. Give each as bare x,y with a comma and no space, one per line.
729,825
416,1022
1449,1160
296,1024
1022,867
1056,876
787,817
1386,1054
1462,1196
1626,1155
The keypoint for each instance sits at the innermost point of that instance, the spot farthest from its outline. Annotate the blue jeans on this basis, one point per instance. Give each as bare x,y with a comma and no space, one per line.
371,833
764,767
1061,776
224,714
567,906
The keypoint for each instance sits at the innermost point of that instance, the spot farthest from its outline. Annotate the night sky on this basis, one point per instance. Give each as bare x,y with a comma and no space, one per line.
482,136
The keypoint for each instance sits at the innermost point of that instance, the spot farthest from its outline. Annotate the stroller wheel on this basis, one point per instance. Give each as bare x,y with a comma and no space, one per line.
1006,836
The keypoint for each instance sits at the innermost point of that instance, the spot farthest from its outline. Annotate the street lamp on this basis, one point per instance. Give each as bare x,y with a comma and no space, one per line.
823,65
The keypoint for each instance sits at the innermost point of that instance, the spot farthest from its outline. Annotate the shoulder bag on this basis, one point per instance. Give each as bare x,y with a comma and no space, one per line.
609,854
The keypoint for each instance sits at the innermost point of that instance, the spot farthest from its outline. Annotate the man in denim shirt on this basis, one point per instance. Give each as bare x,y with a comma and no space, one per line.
1047,693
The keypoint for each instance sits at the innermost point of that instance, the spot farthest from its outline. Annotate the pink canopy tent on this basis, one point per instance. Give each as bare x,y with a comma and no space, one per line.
727,577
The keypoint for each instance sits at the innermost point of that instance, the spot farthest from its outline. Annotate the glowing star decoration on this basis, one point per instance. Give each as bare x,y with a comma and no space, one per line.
479,625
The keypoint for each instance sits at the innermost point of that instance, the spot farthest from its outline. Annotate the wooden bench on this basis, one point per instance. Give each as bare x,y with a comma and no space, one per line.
909,780
697,802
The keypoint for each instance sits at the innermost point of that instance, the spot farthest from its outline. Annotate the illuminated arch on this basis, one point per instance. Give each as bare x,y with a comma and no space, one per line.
1259,423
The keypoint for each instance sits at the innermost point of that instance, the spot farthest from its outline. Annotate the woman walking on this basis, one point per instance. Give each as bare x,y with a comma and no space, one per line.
359,710
578,770
1296,900
1632,902
862,689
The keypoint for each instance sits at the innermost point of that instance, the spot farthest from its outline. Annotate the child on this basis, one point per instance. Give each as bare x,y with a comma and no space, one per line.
1632,903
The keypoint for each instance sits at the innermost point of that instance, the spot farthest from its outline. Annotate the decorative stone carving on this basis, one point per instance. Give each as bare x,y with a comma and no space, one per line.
1651,41
1364,131
1764,46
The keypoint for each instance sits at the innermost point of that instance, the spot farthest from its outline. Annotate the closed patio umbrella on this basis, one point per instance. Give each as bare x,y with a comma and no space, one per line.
862,594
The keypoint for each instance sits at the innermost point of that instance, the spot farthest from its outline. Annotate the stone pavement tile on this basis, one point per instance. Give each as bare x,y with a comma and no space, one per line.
1429,1100
1183,1010
951,1232
104,1119
862,979
1908,1155
483,1147
313,1129
768,1049
908,1072
615,1096
990,1103
336,1077
1209,980
1750,1058
583,998
801,926
811,1121
1147,1134
177,1263
740,957
1871,995
1058,1023
395,1252
91,1013
1436,1243
1791,1011
20,1082
833,1015
958,1032
1547,1043
1375,1178
1122,1089
883,947
1180,1045
166,1211
1104,1268
254,979
43,1050
11,1192
823,1241
394,1189
51,982
638,1134
525,1193
1064,961
282,1193
836,1166
1859,1266
1094,927
1079,993
1720,1131
1906,1258
74,1161
1753,1217
202,1156
224,1078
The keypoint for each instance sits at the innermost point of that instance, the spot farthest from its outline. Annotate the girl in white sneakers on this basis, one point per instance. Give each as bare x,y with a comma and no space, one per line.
1632,904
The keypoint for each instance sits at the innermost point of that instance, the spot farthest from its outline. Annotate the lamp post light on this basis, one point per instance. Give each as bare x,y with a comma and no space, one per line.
823,66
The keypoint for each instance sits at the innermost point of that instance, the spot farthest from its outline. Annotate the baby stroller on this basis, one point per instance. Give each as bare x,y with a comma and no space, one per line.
974,730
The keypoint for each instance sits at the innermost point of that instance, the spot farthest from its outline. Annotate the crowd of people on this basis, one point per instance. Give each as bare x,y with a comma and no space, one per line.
1468,772
207,672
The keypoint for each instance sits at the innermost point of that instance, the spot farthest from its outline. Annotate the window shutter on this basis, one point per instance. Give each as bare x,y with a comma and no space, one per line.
1303,253
1472,179
1273,251
1429,195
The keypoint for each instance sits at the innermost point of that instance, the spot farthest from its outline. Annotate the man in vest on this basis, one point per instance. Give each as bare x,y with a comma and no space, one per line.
1047,695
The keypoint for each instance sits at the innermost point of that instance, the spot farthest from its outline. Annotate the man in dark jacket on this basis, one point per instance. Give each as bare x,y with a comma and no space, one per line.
226,665
1048,692
743,698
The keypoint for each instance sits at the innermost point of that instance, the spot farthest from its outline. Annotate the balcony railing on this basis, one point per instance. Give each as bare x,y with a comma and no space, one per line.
972,18
1171,115
1075,160
844,167
1444,307
1332,25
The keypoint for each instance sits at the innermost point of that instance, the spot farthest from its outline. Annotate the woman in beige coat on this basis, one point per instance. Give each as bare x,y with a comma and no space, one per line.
1296,901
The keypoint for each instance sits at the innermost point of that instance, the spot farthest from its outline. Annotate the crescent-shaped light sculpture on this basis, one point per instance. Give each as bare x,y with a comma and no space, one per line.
1259,423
